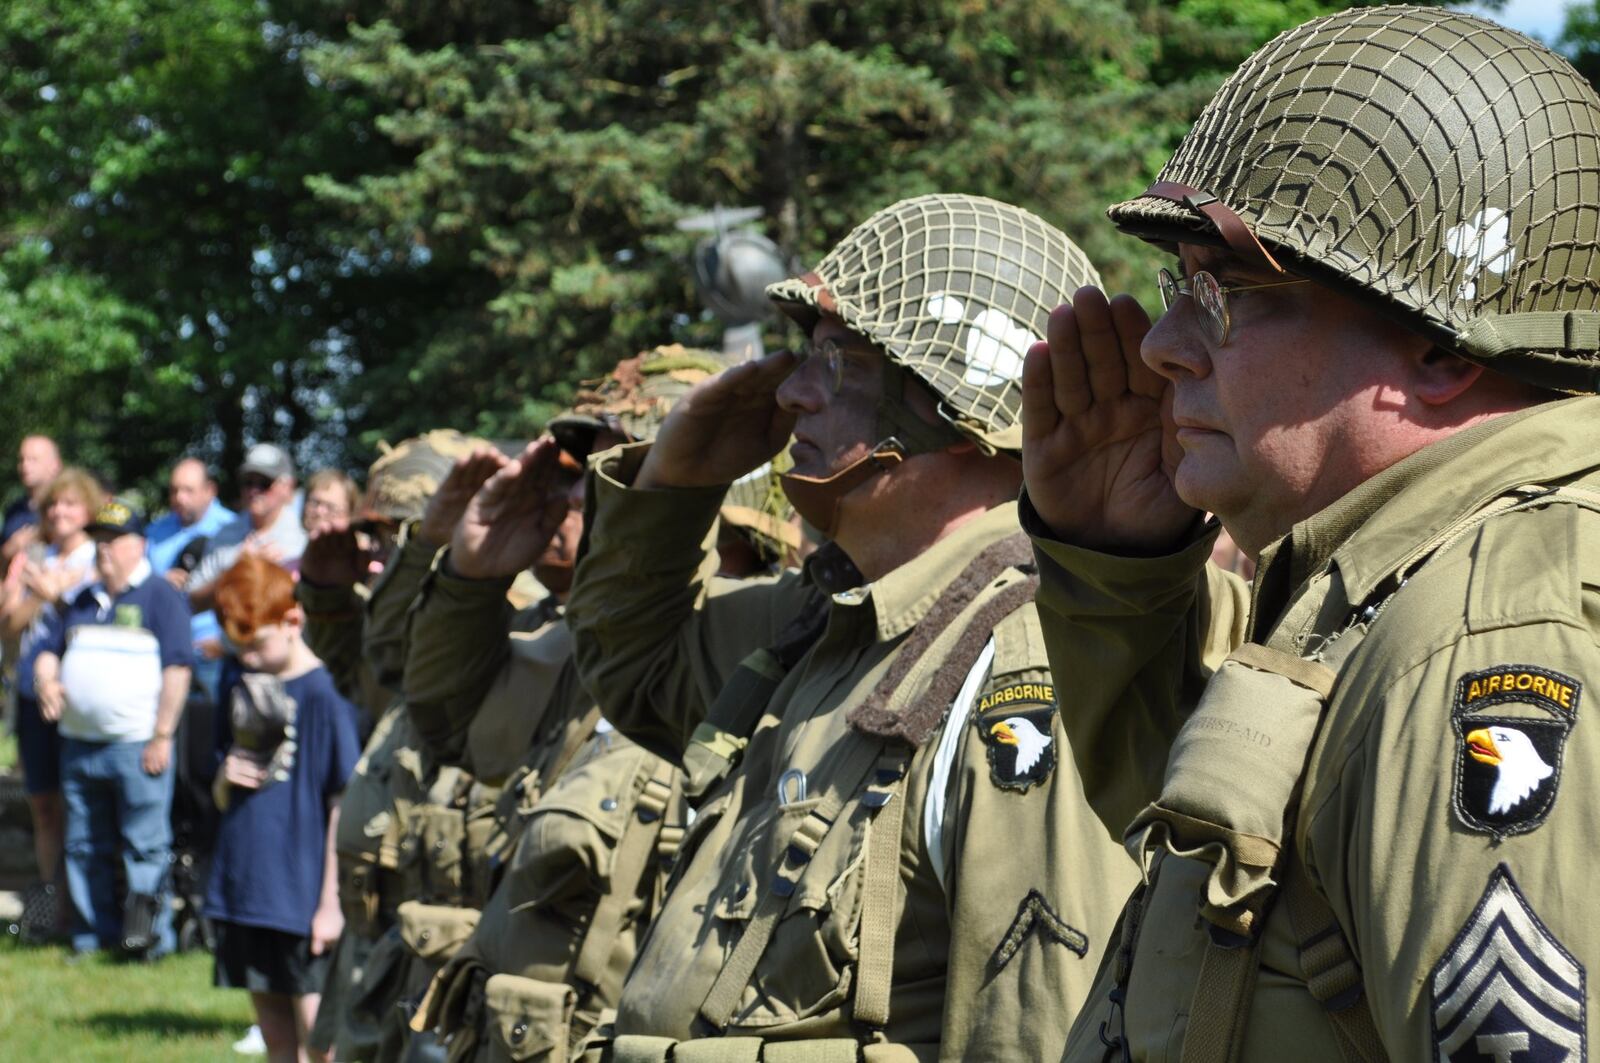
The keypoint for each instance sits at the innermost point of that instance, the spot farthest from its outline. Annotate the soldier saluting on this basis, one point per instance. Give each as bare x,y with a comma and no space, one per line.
892,857
1348,798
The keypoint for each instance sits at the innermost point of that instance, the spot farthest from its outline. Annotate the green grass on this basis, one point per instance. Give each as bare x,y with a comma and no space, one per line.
8,752
100,1010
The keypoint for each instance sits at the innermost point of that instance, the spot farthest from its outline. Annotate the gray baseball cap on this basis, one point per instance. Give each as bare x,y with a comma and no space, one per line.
264,459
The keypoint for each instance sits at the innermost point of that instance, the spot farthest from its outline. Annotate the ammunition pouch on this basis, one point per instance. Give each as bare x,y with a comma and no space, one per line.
527,1020
637,1049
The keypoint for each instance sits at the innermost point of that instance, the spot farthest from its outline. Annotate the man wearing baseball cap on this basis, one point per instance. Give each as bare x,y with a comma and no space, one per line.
114,669
267,524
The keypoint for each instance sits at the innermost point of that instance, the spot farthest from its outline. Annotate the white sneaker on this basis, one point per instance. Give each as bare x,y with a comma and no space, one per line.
252,1043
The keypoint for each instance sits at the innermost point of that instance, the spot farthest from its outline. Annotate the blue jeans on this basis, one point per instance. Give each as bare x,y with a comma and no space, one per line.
115,810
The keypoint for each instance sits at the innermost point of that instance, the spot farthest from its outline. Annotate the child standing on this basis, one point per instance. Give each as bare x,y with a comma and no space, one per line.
288,743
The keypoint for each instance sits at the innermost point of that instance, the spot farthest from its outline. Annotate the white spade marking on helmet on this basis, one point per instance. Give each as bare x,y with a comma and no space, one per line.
1485,242
995,346
946,309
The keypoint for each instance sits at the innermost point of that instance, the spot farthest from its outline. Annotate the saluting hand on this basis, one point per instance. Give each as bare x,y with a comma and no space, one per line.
333,556
512,517
450,500
723,428
1097,463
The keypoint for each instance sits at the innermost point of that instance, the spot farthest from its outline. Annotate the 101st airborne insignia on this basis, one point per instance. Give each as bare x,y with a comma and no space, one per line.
1015,724
1508,763
1505,989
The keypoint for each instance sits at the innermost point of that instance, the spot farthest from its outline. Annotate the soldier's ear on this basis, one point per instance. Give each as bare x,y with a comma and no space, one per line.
1439,377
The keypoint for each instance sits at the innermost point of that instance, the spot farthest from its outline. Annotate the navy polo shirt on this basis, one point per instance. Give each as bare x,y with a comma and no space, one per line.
113,649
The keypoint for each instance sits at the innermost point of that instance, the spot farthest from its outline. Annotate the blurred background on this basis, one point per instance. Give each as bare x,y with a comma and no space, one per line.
323,223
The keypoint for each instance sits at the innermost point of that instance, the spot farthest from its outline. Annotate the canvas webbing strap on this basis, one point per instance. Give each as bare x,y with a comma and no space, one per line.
881,888
636,853
802,845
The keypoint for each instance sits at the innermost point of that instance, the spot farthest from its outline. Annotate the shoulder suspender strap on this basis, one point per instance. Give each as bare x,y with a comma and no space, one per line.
881,888
1329,967
723,998
636,851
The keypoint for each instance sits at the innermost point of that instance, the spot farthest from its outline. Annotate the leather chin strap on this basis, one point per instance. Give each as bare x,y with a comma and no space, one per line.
1232,228
817,498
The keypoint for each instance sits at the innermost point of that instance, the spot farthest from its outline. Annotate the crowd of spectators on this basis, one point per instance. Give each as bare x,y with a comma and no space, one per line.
115,630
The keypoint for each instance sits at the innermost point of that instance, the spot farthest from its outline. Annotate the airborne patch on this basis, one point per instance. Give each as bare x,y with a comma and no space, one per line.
1506,988
1508,766
1015,724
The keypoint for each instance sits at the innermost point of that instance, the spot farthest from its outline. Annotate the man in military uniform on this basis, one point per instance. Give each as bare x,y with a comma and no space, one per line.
898,862
361,636
560,827
1349,800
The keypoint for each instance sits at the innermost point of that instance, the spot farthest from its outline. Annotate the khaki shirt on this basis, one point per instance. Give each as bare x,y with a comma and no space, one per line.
1462,885
1007,884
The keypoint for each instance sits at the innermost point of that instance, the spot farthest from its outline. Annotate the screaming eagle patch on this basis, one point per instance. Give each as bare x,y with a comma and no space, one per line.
1506,989
1508,764
1015,724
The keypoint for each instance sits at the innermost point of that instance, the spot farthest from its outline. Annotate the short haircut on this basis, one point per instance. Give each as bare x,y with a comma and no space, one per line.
334,478
75,481
253,594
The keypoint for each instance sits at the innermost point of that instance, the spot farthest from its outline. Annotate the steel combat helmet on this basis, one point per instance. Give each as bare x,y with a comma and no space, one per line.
633,399
955,289
1437,165
406,475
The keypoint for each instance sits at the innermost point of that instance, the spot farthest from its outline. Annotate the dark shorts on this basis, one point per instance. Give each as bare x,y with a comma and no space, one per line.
39,749
267,961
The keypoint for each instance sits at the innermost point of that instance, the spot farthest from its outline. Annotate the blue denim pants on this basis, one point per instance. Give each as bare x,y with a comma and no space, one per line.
115,811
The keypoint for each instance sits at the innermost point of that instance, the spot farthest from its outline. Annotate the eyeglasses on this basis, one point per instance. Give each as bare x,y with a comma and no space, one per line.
831,351
254,482
1211,297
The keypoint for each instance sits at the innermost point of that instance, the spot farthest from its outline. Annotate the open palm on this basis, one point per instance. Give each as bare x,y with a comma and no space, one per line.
1092,438
512,517
723,428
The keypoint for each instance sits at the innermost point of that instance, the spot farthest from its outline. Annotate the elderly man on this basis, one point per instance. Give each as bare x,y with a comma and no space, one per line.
892,850
268,525
38,462
115,672
1351,811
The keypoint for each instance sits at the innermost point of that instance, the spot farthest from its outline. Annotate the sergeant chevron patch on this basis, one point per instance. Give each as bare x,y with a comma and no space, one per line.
1506,989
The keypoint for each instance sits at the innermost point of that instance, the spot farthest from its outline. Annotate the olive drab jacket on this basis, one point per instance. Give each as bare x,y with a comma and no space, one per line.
565,842
1393,736
868,872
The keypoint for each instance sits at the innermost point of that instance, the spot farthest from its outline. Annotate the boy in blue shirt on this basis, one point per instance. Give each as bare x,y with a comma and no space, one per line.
288,743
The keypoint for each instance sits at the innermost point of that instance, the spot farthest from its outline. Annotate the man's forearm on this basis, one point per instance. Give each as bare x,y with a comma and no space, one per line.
174,692
46,668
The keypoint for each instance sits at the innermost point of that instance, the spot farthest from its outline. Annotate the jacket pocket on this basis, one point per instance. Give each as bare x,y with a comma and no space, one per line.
808,965
527,1019
570,843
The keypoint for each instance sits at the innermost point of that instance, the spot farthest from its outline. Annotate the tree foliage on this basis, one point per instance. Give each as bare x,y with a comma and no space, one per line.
333,221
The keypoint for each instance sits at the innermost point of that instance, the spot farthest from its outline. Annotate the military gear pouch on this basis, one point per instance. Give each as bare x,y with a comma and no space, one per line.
1233,770
527,1020
433,932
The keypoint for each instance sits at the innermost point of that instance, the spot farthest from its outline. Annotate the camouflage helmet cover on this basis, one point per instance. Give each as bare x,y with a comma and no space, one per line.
756,505
633,399
405,476
1437,164
955,288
